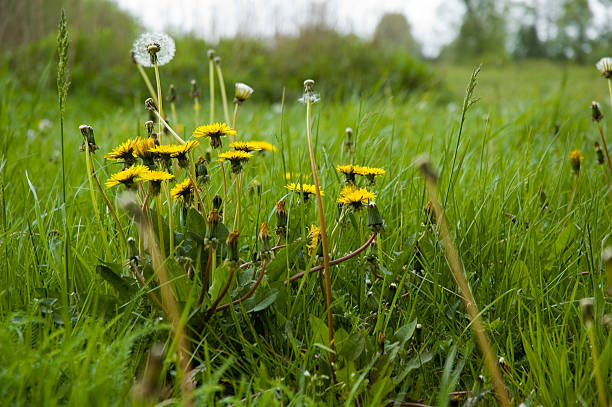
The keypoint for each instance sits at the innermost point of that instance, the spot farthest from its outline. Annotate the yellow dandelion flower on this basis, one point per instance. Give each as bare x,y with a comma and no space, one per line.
155,178
236,158
314,235
246,146
165,151
142,150
180,152
355,197
369,172
264,146
305,189
348,171
127,176
289,175
214,132
124,151
576,158
182,190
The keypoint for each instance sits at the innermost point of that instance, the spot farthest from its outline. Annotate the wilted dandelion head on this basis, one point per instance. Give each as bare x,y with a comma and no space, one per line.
309,93
604,65
596,115
153,48
243,92
576,158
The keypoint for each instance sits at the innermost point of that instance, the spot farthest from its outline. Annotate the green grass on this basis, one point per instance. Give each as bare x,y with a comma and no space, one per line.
91,346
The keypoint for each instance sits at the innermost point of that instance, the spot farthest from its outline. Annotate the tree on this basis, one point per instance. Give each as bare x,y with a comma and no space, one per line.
528,44
393,32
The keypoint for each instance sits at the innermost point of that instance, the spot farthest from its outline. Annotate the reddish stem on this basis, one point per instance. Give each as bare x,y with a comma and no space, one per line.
334,262
241,299
213,307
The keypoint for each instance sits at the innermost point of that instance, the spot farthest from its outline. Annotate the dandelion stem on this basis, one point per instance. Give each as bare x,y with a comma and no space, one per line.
211,82
109,205
603,141
326,265
173,109
159,104
223,92
334,262
469,302
235,118
170,218
147,82
573,194
160,226
93,199
216,302
196,108
170,129
224,189
238,193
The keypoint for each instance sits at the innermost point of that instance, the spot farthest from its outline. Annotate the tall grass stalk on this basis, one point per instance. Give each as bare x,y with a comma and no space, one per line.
159,103
62,93
454,262
211,83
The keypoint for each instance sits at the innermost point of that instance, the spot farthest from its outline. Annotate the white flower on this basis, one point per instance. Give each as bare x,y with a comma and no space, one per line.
313,97
604,65
243,92
151,46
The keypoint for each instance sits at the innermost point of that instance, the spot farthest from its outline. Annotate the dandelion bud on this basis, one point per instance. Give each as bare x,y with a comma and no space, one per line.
171,94
149,125
214,231
419,332
216,202
348,141
424,165
211,54
150,105
373,219
264,240
217,61
380,339
599,152
232,246
588,310
281,219
208,156
195,93
201,171
576,158
596,112
243,92
88,137
393,288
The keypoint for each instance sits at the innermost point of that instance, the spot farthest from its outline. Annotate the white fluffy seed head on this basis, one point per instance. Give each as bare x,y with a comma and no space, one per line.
604,65
147,41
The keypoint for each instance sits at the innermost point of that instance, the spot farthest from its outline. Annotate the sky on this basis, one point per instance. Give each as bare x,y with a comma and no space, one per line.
433,22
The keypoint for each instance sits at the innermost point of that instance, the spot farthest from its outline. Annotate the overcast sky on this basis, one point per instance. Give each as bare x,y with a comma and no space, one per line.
433,21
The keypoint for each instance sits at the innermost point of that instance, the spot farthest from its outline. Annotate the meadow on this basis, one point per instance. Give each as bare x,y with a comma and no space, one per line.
77,328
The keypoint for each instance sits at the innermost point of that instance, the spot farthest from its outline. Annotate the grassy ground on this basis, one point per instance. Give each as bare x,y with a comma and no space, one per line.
70,338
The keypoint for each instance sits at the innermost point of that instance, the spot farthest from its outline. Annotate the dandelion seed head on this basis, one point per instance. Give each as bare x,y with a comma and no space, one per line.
159,44
243,92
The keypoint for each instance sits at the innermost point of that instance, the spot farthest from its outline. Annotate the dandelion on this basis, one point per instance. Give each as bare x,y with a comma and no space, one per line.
355,197
214,132
152,49
123,152
314,236
576,158
348,171
181,152
155,178
305,189
88,138
236,158
201,171
309,94
143,150
246,146
265,146
182,191
243,92
290,175
369,172
604,65
164,154
281,219
126,177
